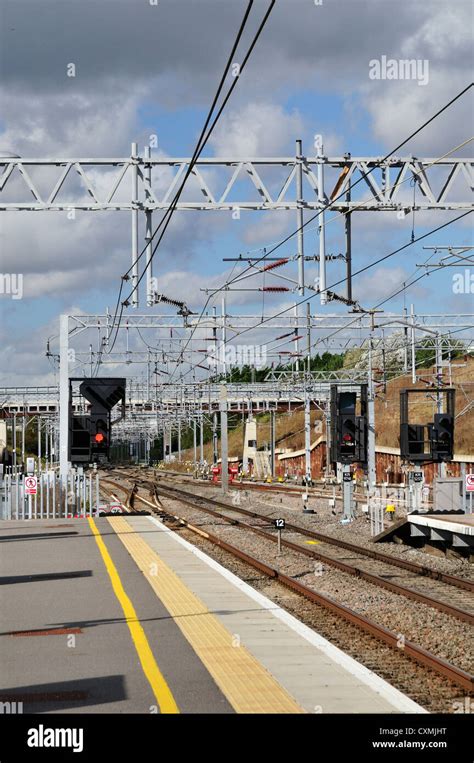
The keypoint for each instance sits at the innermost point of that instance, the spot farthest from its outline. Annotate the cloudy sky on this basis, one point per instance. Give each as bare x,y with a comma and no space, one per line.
145,69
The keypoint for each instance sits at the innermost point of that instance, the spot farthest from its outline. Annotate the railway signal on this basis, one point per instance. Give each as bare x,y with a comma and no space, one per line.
90,434
430,441
79,439
99,439
349,431
442,437
347,439
415,438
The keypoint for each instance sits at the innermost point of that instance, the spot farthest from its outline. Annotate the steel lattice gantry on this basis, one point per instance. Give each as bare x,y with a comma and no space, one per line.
99,189
146,184
314,183
275,388
326,321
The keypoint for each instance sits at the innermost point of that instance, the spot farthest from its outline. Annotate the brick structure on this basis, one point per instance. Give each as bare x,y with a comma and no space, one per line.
387,462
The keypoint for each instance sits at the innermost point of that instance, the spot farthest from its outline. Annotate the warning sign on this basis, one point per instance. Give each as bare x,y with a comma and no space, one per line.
469,483
31,485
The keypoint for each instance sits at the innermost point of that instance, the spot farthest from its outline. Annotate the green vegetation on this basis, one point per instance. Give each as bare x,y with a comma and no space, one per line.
326,362
426,354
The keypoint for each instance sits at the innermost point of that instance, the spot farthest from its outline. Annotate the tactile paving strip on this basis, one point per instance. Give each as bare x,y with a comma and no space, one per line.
247,685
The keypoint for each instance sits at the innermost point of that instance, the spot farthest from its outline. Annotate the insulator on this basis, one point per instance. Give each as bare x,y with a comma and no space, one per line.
276,264
169,301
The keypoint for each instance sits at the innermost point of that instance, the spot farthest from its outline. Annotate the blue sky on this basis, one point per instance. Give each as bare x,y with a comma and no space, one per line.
305,77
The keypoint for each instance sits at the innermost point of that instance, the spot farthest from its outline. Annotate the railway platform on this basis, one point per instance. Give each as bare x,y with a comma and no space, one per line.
450,530
123,615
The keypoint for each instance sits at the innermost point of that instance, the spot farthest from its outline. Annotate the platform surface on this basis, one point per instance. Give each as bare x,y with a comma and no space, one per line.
124,615
458,523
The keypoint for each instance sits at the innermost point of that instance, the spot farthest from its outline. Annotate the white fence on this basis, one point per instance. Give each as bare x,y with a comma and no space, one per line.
42,496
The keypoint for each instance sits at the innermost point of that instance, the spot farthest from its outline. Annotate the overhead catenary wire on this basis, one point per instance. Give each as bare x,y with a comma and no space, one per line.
379,304
358,272
245,274
366,174
203,139
363,177
191,164
366,268
332,201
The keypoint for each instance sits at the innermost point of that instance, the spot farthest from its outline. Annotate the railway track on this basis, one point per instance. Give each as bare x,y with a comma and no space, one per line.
425,658
412,567
278,488
350,568
128,492
316,491
120,488
200,503
346,617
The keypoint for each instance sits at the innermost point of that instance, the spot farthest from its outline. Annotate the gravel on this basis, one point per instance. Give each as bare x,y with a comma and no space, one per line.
433,692
436,631
290,508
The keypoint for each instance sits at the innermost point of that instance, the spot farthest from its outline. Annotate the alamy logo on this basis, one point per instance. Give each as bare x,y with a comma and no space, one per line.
11,708
403,68
463,283
238,355
12,283
46,737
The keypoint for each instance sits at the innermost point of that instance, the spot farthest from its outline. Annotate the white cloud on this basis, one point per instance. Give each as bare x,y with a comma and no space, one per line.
73,124
257,129
373,286
270,228
175,67
434,38
398,107
178,285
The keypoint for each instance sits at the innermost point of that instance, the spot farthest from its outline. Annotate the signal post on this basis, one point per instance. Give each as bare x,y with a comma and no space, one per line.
348,438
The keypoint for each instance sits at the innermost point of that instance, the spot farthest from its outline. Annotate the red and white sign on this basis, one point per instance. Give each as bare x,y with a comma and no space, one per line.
31,485
469,483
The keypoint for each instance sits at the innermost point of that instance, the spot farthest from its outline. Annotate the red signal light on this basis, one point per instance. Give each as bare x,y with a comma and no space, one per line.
99,437
347,438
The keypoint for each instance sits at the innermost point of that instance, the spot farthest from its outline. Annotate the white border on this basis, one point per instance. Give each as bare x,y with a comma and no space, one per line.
400,701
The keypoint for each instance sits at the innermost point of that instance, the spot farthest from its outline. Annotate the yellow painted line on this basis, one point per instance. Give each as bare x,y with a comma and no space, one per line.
155,678
247,685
